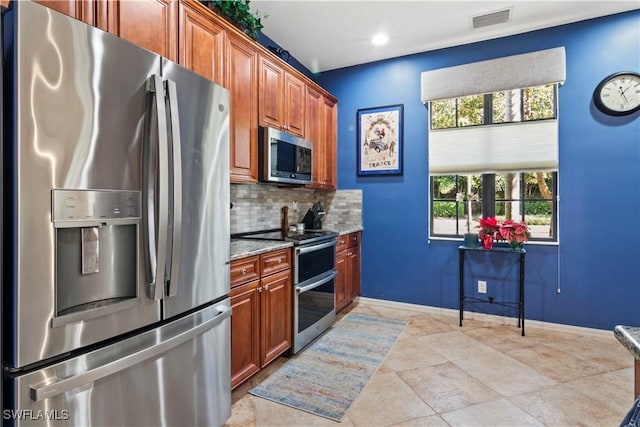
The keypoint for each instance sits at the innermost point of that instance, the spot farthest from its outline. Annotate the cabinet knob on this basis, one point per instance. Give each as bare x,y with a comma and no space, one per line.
259,289
244,271
266,287
279,260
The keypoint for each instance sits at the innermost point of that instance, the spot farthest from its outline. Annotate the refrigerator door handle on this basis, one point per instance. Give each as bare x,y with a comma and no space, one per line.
156,250
41,392
177,187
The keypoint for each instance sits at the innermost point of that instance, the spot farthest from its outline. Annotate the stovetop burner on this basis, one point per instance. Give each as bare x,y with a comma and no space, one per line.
308,236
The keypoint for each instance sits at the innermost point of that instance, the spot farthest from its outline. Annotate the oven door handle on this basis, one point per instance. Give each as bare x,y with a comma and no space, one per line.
303,289
311,248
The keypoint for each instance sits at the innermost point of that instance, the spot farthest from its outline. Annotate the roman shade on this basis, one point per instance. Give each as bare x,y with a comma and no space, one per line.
510,72
505,147
509,147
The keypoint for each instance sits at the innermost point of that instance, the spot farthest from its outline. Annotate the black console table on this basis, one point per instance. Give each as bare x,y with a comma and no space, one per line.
495,250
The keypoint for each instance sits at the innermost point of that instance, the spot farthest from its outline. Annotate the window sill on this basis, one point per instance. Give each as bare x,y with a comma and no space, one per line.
460,239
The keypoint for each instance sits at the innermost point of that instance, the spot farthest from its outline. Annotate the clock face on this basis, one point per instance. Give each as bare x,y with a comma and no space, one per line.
618,94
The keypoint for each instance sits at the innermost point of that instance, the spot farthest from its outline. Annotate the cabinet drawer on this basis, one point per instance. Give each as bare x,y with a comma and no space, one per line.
354,239
244,270
342,242
275,261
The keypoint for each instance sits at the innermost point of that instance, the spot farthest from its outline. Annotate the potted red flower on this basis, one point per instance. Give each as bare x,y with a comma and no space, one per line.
515,233
488,228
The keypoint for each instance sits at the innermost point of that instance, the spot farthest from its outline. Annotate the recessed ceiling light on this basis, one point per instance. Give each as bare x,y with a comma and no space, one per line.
380,39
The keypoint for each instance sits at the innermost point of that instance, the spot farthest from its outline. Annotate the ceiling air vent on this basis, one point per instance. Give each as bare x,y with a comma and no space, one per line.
492,18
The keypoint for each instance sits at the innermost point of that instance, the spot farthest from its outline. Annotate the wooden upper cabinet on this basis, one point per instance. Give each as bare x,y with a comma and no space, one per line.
151,24
270,99
294,108
329,173
201,42
314,133
83,10
242,81
321,131
281,99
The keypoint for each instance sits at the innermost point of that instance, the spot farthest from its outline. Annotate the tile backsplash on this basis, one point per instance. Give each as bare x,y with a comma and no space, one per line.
258,206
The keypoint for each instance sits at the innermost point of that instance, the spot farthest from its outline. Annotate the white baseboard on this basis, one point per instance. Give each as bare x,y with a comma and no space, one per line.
486,317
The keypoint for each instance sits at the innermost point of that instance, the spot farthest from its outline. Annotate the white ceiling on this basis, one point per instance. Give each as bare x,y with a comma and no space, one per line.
328,34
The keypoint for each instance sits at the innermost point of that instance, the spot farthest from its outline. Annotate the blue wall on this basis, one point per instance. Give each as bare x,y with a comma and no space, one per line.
265,41
597,263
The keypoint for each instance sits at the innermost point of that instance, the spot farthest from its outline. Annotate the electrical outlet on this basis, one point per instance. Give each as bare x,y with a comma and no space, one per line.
482,286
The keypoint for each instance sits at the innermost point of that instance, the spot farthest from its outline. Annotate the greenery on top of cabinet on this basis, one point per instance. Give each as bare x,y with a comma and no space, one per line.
239,13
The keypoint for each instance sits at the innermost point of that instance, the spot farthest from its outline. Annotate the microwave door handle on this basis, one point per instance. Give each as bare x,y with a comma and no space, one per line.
177,187
156,175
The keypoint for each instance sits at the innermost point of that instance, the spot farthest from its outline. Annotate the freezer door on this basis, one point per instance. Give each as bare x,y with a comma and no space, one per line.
178,374
76,123
198,266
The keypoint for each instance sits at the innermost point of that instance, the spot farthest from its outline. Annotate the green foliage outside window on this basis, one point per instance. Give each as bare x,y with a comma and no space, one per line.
470,110
534,103
443,114
518,196
538,102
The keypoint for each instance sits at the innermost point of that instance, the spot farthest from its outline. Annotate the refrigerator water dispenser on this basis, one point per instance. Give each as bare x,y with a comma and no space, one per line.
96,267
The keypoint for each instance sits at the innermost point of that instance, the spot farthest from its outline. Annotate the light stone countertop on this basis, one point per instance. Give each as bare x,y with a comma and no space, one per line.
629,336
241,248
346,230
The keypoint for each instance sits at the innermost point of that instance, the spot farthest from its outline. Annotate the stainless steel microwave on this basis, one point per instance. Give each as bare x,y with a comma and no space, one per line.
283,157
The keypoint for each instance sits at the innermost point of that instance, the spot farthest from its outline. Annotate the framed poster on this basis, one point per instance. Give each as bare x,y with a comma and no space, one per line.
380,140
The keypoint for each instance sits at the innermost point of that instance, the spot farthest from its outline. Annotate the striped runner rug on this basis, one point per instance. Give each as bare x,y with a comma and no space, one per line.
327,377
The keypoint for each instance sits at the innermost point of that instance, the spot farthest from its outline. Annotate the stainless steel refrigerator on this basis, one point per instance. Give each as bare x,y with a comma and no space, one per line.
115,234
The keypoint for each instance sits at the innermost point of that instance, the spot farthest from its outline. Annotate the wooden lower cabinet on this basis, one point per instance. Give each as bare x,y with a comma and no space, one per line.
275,316
261,321
348,267
342,296
353,288
245,332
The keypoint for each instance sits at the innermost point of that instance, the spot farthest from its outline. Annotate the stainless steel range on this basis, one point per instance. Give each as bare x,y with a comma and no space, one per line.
314,280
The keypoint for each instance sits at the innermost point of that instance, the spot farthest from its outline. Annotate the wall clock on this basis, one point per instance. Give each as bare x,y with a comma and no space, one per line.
618,94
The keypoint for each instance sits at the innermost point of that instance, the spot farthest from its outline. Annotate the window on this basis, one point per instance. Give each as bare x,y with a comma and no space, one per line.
527,194
519,105
449,204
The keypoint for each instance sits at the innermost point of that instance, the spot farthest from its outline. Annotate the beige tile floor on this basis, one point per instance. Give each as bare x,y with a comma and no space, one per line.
483,374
